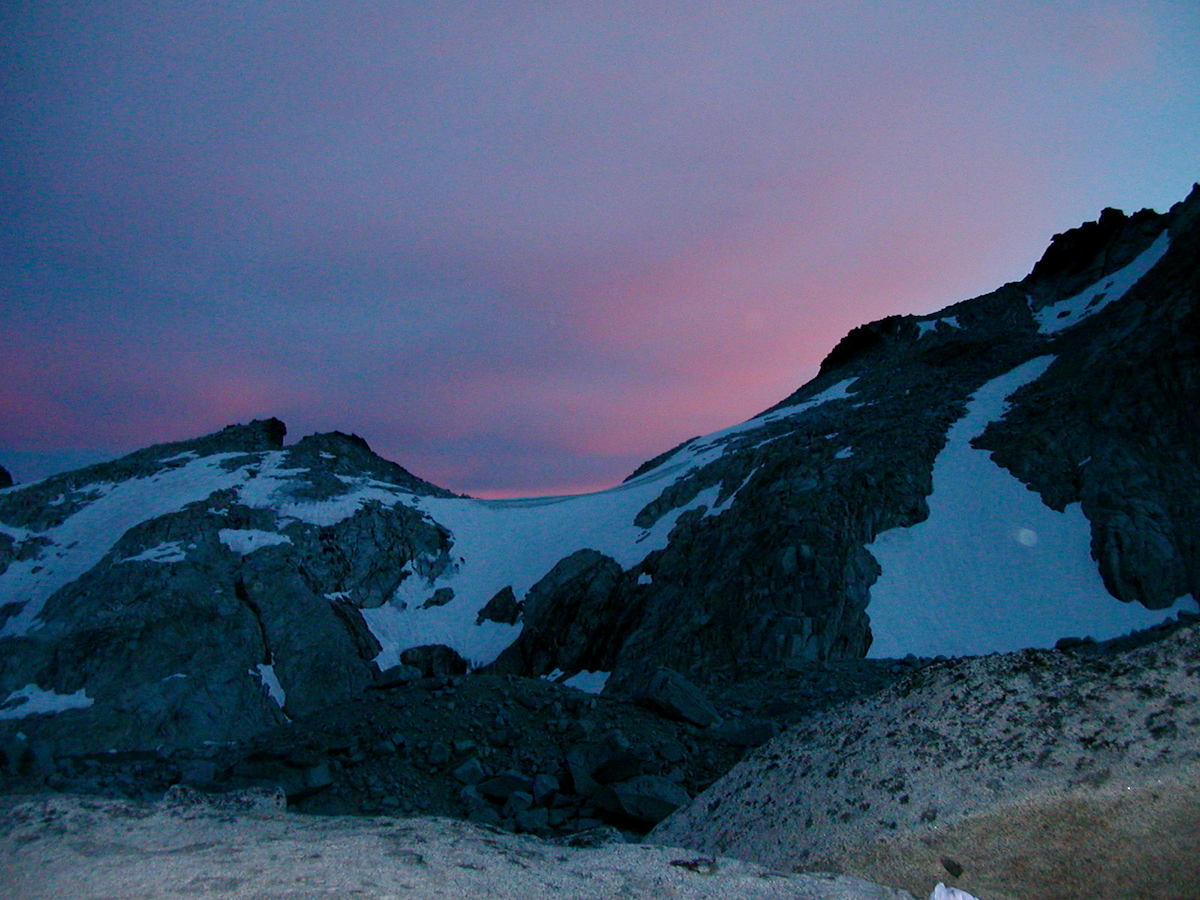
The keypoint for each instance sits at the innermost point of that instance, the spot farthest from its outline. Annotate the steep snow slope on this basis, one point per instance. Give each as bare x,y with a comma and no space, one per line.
993,568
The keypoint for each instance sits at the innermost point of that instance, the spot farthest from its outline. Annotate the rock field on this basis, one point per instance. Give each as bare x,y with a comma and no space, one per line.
464,745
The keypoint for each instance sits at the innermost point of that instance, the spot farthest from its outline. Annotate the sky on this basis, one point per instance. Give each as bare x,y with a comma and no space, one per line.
522,247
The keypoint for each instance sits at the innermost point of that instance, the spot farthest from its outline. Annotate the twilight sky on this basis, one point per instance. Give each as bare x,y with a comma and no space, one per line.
522,247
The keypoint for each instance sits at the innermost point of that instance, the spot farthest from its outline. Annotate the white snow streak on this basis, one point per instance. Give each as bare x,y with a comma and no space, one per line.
247,540
934,325
32,700
266,674
1109,289
167,552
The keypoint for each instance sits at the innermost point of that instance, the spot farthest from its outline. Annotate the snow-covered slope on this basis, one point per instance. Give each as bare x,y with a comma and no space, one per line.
993,568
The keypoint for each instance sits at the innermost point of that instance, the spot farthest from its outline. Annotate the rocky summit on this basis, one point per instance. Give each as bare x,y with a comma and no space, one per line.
1015,471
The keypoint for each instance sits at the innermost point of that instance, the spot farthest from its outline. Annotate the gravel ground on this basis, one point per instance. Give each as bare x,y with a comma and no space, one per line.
88,849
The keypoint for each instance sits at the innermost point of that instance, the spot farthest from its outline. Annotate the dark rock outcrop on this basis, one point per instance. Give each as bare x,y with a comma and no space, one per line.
669,693
222,617
434,660
1115,425
567,616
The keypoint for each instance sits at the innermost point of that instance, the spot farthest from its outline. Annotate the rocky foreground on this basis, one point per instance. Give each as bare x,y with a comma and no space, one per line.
1067,773
90,849
526,755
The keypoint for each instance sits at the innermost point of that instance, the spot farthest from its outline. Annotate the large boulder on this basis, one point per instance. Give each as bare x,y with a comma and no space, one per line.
643,799
669,693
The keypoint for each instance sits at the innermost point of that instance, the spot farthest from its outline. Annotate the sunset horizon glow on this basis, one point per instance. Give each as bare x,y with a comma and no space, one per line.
522,249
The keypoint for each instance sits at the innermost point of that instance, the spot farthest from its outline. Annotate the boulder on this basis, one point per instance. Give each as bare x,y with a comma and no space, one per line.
670,694
646,799
570,618
434,661
397,676
503,608
500,787
470,772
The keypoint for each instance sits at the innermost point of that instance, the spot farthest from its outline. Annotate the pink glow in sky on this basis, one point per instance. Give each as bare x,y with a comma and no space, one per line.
521,248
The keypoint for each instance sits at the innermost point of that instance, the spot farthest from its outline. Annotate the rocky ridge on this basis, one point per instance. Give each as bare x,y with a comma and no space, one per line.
782,574
184,625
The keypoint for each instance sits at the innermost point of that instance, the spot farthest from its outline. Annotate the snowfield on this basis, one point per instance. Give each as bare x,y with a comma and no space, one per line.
992,568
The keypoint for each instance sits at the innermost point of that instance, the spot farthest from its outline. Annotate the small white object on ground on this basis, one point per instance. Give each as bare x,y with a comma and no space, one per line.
941,892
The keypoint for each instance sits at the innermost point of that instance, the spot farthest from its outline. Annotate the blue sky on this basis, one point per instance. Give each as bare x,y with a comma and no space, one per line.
522,247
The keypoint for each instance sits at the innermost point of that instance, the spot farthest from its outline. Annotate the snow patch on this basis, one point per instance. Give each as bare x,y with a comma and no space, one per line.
167,552
272,486
266,674
15,532
992,568
934,325
1073,310
32,700
247,540
844,453
179,457
588,682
